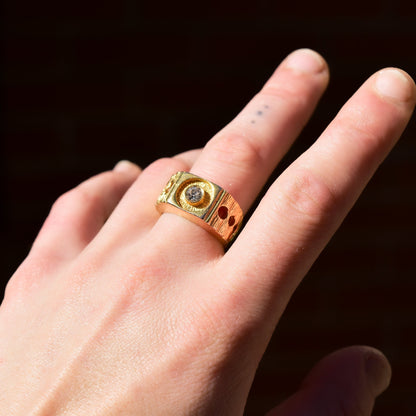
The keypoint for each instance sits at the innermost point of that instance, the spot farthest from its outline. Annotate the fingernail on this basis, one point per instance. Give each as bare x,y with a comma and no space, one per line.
125,166
306,60
393,84
378,371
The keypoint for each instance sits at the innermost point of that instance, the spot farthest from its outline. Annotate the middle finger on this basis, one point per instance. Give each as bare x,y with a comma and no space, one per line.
241,157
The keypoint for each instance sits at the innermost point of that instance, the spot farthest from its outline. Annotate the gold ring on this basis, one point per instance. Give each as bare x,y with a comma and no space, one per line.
203,203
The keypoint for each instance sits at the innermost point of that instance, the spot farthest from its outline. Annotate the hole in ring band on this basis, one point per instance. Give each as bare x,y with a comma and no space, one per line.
223,212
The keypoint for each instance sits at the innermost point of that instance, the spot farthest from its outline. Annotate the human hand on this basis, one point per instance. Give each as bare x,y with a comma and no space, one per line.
120,311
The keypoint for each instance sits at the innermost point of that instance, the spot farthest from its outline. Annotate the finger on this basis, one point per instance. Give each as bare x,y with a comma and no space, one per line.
136,212
345,383
189,157
309,200
78,215
242,156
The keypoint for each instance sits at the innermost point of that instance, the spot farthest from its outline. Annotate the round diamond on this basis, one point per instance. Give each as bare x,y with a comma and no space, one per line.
194,194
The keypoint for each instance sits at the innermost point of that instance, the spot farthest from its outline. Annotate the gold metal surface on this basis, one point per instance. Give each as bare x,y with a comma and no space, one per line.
216,210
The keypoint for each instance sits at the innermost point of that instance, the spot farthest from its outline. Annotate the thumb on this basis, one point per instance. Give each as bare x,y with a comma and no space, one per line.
345,383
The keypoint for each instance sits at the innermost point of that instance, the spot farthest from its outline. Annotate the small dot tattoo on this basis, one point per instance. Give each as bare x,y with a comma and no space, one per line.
259,113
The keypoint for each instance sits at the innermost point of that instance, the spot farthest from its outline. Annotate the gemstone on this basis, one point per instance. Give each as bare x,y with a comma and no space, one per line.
194,194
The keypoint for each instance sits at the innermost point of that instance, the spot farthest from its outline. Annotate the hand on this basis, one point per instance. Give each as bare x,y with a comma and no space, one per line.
120,311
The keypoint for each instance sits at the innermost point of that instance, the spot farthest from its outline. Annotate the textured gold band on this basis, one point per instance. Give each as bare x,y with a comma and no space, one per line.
203,203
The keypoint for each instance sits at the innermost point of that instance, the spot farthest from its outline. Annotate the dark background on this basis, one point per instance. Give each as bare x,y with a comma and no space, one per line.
89,83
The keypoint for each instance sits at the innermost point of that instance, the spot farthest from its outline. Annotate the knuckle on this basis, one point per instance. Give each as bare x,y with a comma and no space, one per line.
86,195
88,198
65,210
309,197
234,148
289,96
25,278
11,289
363,131
77,197
62,202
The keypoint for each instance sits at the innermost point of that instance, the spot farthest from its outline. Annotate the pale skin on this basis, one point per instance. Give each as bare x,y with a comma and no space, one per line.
118,310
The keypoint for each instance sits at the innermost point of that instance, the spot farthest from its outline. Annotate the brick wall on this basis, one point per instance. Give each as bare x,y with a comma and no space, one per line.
89,83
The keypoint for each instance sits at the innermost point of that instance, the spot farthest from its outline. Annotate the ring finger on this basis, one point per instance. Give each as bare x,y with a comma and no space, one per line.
242,155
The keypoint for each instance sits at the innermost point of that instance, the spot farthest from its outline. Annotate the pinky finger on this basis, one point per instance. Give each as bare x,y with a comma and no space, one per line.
78,215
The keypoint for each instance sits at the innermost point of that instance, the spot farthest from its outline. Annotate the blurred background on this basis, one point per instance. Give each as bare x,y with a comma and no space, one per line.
89,83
